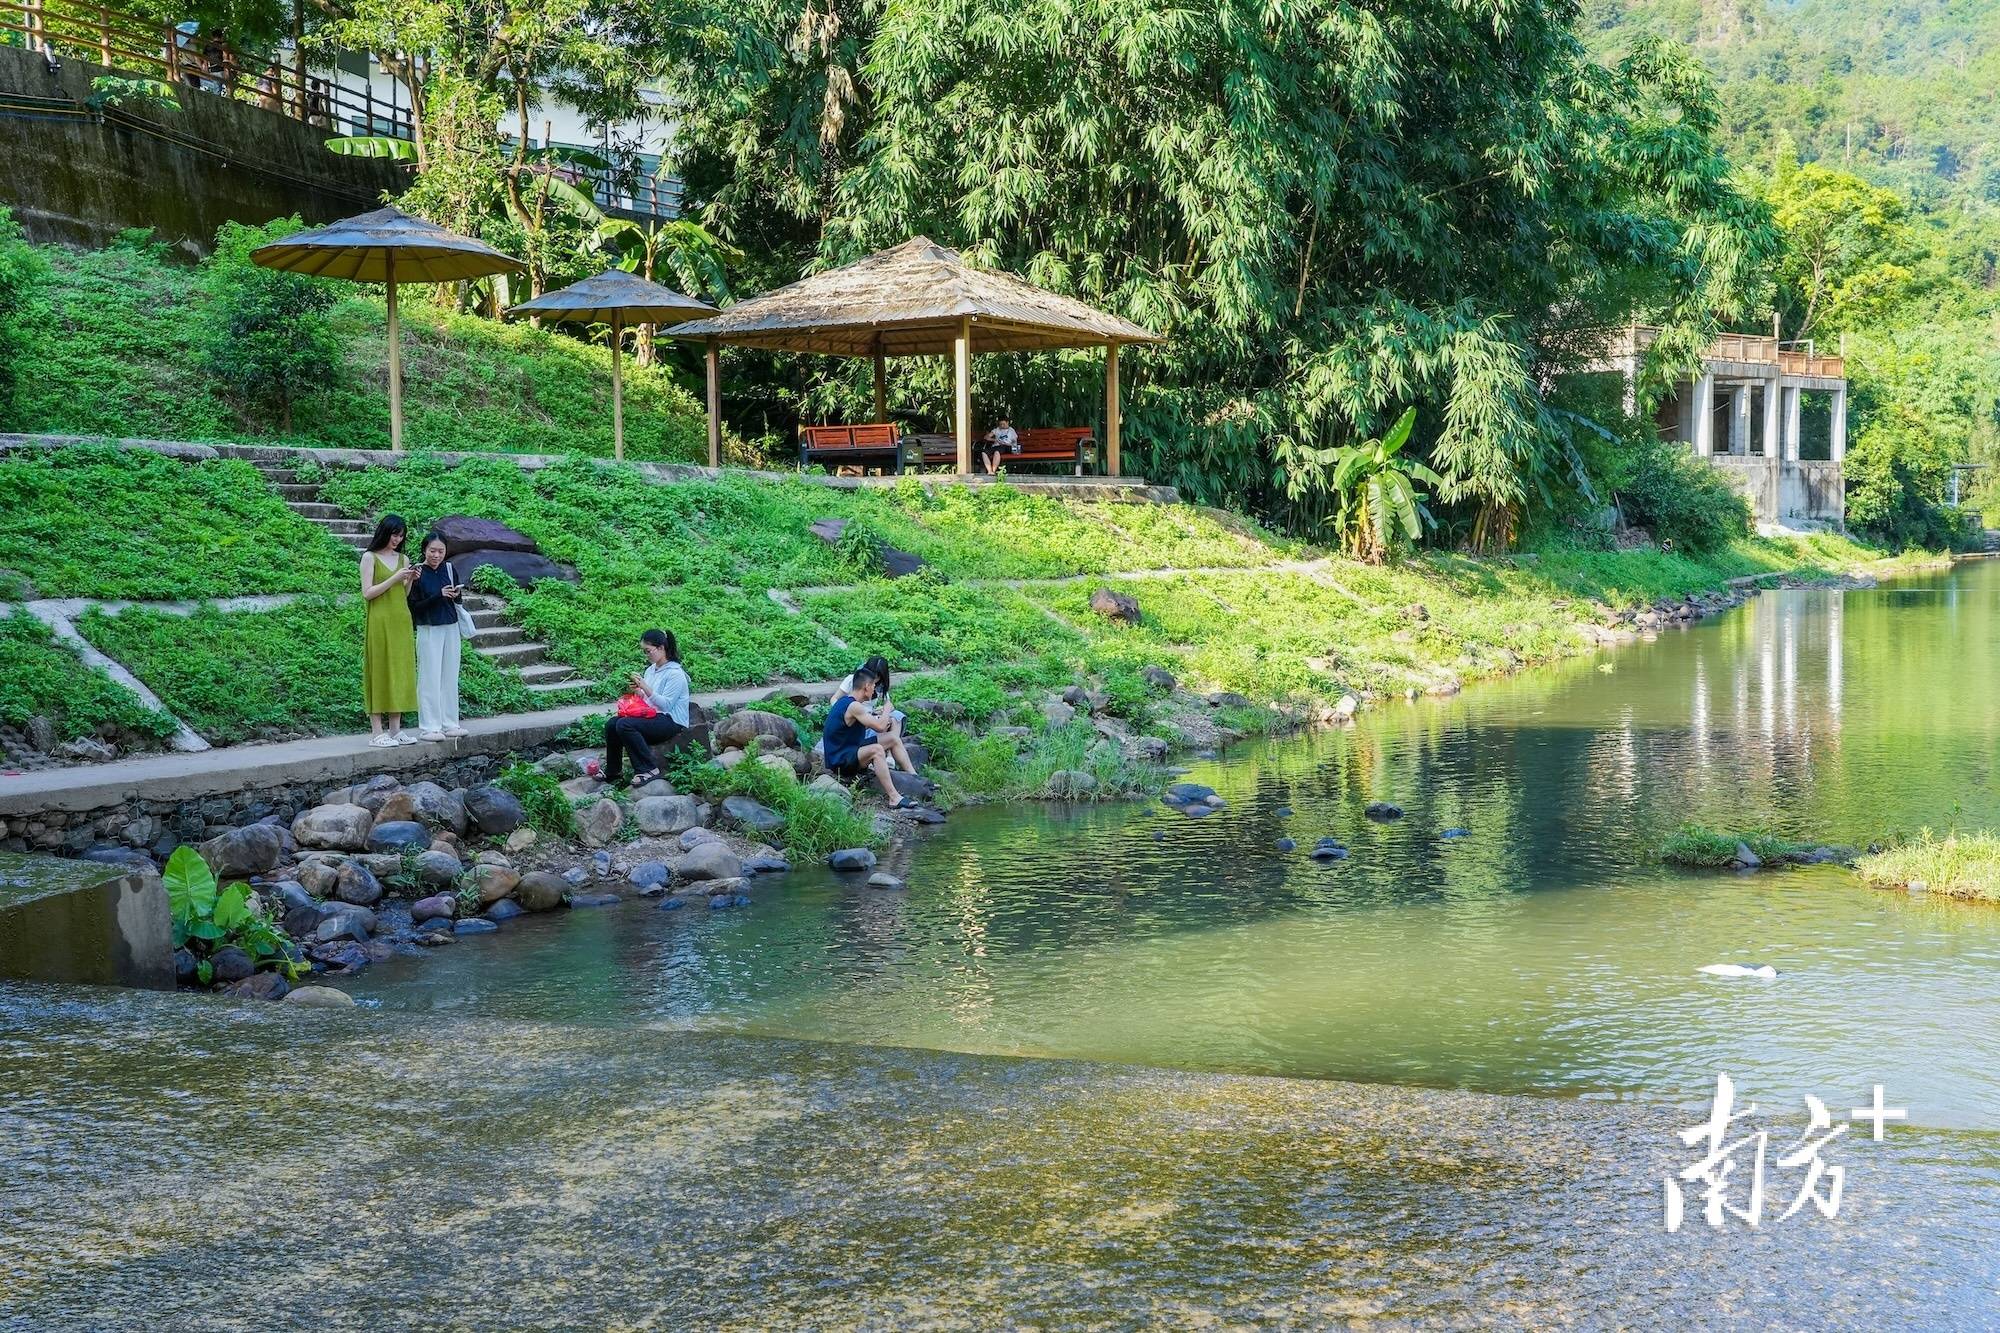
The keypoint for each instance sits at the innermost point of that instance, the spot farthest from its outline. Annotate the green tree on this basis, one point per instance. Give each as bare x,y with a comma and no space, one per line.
1849,252
1333,212
265,332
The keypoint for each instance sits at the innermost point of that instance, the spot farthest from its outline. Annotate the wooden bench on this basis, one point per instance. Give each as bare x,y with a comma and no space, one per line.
1071,446
876,444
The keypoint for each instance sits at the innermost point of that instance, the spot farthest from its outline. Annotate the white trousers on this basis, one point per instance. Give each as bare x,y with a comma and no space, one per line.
437,677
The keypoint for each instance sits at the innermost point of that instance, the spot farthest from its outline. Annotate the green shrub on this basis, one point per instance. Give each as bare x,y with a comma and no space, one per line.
263,333
207,919
816,822
545,806
41,678
1677,497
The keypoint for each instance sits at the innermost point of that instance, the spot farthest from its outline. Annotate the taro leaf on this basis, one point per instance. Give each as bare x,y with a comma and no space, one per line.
232,909
190,885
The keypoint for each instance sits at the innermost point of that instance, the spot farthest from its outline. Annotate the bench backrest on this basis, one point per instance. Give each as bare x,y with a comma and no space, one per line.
1058,440
874,435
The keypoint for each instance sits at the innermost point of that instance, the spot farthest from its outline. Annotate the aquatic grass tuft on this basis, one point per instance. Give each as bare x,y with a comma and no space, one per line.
1957,865
1708,849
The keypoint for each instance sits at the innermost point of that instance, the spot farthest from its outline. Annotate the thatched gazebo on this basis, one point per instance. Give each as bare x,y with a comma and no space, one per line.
918,299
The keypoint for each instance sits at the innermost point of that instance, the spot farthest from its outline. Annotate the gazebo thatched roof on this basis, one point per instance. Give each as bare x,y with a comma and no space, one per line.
910,301
615,295
359,248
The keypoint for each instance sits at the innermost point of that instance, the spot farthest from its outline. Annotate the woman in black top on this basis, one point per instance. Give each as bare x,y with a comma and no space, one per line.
434,601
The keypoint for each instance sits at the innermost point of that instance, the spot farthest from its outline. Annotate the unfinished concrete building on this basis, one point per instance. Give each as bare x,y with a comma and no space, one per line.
1771,414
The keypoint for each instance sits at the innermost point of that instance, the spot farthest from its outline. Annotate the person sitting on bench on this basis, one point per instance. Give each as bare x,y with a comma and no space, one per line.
1002,439
848,749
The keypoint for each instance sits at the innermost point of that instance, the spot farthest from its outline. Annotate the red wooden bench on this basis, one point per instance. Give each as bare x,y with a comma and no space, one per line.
875,444
1072,446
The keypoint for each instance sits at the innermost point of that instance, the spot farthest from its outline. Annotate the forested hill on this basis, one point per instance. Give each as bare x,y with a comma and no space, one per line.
1906,92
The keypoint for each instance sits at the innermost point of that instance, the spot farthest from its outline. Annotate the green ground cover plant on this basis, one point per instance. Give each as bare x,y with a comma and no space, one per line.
816,822
208,918
41,678
1957,865
925,622
545,806
261,675
99,521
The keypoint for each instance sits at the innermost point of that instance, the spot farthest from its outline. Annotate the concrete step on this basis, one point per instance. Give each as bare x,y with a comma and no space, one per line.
552,686
314,509
497,636
296,490
476,602
513,654
278,474
486,617
544,672
360,525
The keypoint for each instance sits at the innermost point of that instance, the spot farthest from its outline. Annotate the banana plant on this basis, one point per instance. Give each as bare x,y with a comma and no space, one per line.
694,255
1376,490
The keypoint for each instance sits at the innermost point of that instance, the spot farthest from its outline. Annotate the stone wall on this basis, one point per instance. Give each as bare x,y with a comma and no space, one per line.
156,827
79,177
106,925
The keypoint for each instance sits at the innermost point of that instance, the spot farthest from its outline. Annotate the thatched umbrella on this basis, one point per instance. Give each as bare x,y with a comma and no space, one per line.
617,298
387,246
920,299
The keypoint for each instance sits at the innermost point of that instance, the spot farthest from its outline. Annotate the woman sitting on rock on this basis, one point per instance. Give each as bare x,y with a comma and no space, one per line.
848,744
878,667
655,710
389,653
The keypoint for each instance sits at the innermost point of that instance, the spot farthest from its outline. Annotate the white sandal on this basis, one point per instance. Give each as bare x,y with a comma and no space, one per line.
383,741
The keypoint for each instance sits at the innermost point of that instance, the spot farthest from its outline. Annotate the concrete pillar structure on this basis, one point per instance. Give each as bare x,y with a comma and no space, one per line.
1791,454
1739,419
1772,397
1704,416
1837,436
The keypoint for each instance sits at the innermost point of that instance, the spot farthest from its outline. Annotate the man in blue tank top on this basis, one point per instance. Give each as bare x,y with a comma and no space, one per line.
849,749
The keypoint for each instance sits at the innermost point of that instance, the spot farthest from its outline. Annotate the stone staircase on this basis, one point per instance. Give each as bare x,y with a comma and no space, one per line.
497,639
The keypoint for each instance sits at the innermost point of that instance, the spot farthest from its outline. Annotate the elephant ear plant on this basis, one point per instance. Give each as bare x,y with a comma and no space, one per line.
208,918
1379,503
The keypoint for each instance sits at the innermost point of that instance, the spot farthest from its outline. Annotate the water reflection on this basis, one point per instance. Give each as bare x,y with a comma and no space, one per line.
1547,950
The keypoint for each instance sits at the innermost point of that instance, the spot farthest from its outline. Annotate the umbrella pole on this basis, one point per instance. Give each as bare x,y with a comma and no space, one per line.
617,394
395,365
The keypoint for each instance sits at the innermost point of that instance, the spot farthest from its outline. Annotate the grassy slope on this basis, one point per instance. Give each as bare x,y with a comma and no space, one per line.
41,678
110,339
700,558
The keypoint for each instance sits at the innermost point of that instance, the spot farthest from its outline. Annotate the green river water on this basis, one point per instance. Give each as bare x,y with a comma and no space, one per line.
1036,1088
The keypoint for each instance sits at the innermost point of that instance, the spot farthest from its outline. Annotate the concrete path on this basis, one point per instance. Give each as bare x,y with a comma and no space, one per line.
184,777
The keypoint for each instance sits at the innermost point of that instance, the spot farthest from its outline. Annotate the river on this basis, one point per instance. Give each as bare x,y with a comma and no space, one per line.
1038,1084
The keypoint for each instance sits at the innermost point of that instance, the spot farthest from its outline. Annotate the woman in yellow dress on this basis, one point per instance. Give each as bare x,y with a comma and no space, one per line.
389,661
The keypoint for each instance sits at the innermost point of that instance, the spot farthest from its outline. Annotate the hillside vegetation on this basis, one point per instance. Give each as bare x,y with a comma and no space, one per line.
113,342
1001,612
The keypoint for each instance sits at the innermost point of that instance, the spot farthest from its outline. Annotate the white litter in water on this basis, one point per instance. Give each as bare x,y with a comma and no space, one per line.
1766,972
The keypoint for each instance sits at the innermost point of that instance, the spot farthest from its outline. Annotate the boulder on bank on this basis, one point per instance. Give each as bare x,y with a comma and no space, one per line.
740,729
493,883
540,891
524,567
599,824
437,907
664,816
335,828
852,858
436,807
242,852
1117,606
1159,679
355,883
463,533
1068,784
708,861
439,870
397,836
494,810
320,997
753,815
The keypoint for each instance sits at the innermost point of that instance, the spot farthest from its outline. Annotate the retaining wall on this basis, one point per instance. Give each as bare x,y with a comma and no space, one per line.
80,177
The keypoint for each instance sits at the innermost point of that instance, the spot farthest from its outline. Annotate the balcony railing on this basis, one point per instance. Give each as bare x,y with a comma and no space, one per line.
181,57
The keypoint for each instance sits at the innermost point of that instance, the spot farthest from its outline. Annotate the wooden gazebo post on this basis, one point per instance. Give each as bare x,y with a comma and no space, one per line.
881,382
1111,409
714,403
961,352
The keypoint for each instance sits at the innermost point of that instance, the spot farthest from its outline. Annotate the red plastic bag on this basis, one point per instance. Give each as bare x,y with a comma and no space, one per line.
636,705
